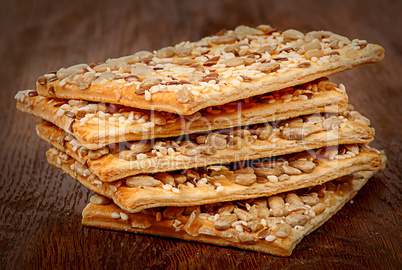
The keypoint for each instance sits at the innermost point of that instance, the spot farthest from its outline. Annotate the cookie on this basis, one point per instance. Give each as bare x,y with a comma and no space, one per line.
273,225
216,70
222,146
218,183
96,125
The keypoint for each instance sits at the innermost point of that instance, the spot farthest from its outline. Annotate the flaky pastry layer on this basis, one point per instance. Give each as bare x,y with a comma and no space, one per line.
114,166
266,225
96,125
213,71
218,183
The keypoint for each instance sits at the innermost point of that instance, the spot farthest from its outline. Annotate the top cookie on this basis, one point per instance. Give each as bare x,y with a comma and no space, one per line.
215,70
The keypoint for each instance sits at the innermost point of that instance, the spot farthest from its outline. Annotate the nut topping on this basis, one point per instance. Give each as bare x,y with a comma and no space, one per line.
224,222
282,230
100,200
264,233
142,70
224,39
297,131
304,65
234,62
42,80
242,31
267,49
293,34
313,53
172,212
319,208
235,143
303,165
217,140
245,179
268,67
291,170
165,178
331,123
242,215
278,206
166,52
66,72
184,96
95,154
85,80
183,51
264,132
138,181
149,82
310,36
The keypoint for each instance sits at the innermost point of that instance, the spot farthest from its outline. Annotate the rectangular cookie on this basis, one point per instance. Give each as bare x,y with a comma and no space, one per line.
273,225
216,70
222,146
218,183
95,125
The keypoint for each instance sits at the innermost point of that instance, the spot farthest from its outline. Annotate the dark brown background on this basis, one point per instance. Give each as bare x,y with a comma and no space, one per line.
40,208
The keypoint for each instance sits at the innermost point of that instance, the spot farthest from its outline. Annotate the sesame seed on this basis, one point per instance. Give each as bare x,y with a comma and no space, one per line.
123,216
175,190
60,113
86,172
163,150
141,156
97,182
272,178
270,238
158,217
239,228
220,188
299,228
171,151
115,215
62,82
303,97
148,95
287,100
189,184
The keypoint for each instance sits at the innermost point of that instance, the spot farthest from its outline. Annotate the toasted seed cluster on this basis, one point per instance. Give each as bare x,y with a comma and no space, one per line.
252,220
192,68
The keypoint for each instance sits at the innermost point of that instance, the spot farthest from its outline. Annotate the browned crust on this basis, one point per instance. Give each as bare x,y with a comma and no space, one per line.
120,93
111,168
99,133
137,199
100,216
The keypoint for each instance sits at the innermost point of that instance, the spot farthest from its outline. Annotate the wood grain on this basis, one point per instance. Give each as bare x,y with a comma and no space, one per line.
40,208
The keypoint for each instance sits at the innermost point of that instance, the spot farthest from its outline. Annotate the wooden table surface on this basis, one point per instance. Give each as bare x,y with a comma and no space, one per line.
40,207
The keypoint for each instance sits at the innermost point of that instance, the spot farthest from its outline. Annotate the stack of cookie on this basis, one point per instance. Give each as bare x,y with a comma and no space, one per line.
238,139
